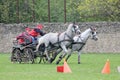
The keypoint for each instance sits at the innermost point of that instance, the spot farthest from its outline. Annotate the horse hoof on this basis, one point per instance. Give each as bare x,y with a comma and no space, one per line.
78,62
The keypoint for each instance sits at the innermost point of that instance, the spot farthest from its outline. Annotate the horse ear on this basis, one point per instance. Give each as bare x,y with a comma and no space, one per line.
95,29
74,23
91,28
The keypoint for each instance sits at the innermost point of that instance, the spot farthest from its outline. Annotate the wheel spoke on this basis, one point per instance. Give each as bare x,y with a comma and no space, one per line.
28,55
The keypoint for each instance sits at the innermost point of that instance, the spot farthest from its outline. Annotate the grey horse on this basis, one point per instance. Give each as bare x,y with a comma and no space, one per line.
78,43
61,40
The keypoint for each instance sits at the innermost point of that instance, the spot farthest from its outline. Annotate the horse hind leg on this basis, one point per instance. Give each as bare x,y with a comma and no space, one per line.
38,45
55,55
46,53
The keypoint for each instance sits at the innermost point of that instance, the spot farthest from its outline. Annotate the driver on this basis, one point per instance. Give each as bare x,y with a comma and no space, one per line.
35,32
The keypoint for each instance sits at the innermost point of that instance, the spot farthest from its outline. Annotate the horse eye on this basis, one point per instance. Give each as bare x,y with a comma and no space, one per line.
92,32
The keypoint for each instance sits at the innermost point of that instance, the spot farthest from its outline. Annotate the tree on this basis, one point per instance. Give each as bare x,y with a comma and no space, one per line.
76,10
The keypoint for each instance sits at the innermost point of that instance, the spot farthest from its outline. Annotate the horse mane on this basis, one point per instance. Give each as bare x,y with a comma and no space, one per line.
69,28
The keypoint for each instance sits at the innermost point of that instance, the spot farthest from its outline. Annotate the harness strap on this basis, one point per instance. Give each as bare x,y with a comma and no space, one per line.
81,47
79,43
69,37
83,43
58,39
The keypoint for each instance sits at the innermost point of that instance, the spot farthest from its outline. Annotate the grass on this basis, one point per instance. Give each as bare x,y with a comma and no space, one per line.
89,69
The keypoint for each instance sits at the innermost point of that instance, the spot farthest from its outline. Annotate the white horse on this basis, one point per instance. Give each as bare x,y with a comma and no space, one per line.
81,39
59,40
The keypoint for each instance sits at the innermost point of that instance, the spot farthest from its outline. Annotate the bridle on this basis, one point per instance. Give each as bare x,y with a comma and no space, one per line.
93,32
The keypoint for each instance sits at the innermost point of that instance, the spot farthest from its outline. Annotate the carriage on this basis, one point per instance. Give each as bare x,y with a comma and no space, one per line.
25,53
22,52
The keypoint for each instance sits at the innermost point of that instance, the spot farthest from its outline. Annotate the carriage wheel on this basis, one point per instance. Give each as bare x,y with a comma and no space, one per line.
16,56
28,55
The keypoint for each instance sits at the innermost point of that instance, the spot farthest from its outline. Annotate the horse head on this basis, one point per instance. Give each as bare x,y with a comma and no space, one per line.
73,29
94,34
83,37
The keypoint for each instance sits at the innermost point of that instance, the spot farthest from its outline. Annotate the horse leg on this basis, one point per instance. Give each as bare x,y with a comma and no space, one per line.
60,58
55,55
46,53
41,57
63,55
69,55
79,52
38,46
